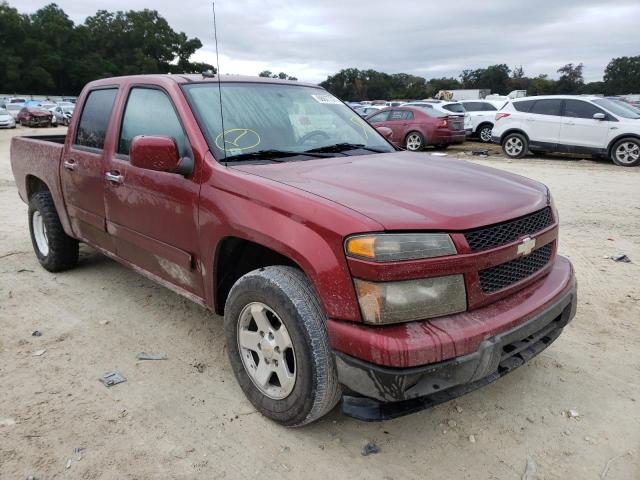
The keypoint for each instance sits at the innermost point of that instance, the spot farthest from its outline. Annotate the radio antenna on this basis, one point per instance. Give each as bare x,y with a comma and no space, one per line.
215,36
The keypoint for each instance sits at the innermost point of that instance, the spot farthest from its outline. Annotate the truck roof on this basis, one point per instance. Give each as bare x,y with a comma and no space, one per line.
191,78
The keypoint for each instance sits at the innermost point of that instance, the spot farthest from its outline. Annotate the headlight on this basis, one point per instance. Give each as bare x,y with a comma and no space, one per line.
394,247
393,302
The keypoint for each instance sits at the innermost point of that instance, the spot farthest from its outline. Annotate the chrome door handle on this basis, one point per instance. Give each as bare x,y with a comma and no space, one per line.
69,165
113,177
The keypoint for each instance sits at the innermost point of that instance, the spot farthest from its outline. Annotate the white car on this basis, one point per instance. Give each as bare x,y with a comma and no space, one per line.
6,120
482,114
569,123
450,108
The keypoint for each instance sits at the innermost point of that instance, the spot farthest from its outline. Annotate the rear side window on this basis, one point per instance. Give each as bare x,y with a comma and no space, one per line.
454,107
94,119
380,117
546,107
487,107
523,106
473,106
150,112
396,115
580,109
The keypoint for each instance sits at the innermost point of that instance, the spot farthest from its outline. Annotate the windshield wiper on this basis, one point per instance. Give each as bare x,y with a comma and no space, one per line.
270,154
343,147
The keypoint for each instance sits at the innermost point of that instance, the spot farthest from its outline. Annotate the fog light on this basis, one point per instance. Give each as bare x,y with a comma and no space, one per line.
404,301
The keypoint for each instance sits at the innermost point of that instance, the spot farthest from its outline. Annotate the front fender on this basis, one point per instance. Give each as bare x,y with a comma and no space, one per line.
302,228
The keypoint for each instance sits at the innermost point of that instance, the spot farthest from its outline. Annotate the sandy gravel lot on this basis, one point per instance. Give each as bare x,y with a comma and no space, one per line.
186,417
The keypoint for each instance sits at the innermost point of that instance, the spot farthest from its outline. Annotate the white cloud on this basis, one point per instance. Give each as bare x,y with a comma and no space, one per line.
310,39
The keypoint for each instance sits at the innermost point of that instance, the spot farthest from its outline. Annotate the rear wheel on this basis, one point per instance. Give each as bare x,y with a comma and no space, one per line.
414,141
626,152
484,133
515,145
56,251
279,347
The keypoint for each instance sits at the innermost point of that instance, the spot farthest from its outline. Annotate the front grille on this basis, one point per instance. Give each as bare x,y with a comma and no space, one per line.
506,274
506,232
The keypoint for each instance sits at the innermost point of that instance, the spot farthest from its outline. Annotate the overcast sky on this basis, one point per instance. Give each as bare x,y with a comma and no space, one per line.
312,39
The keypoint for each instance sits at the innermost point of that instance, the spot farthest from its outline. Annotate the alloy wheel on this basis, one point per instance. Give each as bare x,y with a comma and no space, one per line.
513,146
628,152
266,350
414,142
485,134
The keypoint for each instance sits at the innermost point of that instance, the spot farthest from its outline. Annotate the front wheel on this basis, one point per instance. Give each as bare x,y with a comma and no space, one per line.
56,251
279,347
515,145
626,152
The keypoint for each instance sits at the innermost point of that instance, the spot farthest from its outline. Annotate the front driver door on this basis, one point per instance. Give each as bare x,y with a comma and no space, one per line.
153,215
580,131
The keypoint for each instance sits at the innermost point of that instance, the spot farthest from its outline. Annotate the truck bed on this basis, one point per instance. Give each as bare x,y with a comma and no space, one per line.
35,158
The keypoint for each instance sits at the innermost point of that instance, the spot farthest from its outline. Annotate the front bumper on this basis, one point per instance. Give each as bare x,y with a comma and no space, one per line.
375,392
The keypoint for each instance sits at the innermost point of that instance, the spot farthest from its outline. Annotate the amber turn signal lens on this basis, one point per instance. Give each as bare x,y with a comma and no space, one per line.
361,247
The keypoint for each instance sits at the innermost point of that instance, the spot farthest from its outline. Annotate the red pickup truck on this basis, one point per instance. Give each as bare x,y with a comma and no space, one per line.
344,267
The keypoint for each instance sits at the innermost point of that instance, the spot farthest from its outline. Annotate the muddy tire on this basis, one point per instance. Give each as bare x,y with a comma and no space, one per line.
56,251
279,347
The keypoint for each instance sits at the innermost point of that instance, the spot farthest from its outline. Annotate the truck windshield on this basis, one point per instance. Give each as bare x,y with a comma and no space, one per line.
266,117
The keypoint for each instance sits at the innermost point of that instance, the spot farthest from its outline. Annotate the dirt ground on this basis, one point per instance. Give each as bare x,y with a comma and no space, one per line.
185,417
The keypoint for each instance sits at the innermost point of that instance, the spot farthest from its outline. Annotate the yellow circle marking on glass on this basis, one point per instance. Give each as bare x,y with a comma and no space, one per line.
360,123
234,135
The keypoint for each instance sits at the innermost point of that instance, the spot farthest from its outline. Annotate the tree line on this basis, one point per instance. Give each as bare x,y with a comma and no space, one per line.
46,53
621,76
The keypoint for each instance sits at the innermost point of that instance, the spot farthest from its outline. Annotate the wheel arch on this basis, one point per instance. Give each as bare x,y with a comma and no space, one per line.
34,185
235,257
513,130
622,136
483,123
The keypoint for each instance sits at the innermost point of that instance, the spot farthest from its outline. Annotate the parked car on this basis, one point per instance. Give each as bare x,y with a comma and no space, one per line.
35,117
367,110
6,120
62,114
450,108
13,109
414,128
482,114
569,123
345,269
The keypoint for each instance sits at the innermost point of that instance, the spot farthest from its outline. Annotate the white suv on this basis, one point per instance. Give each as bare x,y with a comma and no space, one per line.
569,123
482,113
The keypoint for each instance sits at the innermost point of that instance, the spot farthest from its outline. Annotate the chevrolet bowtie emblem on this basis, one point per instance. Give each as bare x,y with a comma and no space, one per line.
527,246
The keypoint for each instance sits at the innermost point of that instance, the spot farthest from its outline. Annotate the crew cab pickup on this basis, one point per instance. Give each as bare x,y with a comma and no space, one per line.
346,269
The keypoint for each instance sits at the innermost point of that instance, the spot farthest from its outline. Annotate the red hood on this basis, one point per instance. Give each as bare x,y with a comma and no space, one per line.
407,191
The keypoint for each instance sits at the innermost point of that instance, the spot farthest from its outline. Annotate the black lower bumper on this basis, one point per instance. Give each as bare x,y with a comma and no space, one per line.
373,392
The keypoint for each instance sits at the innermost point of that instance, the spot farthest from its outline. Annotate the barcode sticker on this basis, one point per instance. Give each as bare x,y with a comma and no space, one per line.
330,99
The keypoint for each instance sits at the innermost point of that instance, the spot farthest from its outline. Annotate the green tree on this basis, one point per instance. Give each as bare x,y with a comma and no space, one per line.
281,75
541,85
571,80
622,75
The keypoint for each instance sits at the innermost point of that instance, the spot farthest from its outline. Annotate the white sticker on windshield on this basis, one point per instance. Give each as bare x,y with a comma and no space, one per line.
327,99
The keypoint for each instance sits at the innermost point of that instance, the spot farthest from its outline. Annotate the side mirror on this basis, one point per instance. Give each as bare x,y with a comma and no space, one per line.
386,132
155,153
599,116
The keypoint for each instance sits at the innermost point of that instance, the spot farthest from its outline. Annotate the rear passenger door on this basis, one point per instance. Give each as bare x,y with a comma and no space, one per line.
398,122
153,215
543,121
580,131
83,166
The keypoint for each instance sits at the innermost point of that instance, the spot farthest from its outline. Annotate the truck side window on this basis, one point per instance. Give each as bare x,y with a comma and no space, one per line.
149,111
94,118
